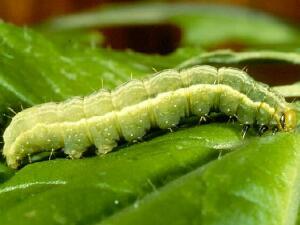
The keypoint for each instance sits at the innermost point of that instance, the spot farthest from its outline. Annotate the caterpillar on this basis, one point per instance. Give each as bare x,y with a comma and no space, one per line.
132,109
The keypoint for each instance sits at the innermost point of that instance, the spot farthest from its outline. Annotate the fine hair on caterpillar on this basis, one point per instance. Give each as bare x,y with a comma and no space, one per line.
132,109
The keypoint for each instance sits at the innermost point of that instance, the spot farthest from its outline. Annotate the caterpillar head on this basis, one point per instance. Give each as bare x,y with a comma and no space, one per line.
288,120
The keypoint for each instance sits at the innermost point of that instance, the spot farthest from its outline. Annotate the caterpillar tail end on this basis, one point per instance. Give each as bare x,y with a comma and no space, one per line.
12,162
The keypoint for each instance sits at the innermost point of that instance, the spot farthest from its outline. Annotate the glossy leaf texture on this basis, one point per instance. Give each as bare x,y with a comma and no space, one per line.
208,175
200,174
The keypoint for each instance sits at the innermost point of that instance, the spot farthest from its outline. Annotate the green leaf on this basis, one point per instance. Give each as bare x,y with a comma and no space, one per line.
228,57
5,172
256,184
206,169
292,90
205,173
201,25
100,186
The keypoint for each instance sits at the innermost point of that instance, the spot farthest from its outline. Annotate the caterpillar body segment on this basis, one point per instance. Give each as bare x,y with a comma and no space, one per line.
132,109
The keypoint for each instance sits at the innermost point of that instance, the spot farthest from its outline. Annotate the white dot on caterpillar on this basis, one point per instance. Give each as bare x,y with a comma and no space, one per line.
116,202
136,205
231,119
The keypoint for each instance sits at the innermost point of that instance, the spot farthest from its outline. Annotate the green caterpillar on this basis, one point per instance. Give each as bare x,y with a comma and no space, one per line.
129,111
